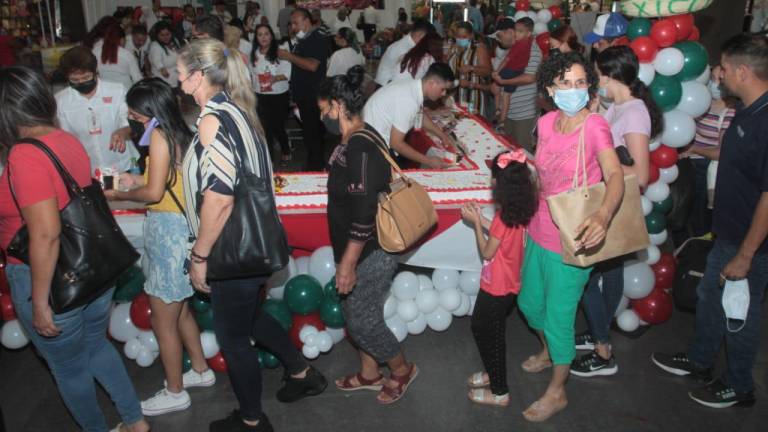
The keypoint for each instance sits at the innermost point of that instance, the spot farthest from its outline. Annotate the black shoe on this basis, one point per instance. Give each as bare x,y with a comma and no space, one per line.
234,423
584,341
592,364
297,388
719,395
678,364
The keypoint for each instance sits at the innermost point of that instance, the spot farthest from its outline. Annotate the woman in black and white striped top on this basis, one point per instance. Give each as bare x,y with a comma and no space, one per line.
228,128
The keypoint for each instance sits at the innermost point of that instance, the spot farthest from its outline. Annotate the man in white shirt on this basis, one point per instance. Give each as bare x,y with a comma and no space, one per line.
396,108
138,45
370,19
220,10
342,20
95,112
151,15
397,50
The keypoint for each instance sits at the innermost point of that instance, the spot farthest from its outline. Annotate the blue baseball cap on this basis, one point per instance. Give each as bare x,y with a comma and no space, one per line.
610,25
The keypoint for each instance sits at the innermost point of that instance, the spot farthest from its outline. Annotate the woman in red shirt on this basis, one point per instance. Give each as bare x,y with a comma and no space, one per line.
73,343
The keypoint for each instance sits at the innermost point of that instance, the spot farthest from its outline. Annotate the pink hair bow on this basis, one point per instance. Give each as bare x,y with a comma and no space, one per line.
511,156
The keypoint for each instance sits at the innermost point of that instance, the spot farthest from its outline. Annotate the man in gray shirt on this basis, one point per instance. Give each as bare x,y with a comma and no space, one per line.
284,17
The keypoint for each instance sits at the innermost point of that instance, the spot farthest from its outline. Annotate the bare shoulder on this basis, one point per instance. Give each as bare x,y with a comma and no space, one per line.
208,127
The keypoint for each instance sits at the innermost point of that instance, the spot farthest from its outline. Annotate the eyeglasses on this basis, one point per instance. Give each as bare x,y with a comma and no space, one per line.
568,84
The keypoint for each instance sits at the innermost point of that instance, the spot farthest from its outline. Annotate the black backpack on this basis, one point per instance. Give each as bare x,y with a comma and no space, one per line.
691,261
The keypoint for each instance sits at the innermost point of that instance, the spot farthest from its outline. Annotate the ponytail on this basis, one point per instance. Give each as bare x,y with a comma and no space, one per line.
238,85
345,89
640,91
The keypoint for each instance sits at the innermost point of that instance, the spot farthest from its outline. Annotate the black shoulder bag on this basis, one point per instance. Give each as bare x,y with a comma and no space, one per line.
93,251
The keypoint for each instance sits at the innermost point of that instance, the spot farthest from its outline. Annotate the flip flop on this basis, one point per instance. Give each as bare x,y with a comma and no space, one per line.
534,365
363,384
476,381
480,396
538,412
403,382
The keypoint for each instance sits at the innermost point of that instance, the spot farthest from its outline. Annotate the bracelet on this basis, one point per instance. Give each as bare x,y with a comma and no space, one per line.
197,256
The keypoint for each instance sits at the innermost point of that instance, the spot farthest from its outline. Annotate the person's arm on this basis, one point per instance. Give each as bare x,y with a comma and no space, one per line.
709,152
486,246
592,231
306,63
44,226
518,80
483,67
133,68
739,266
637,144
154,189
397,142
432,128
117,141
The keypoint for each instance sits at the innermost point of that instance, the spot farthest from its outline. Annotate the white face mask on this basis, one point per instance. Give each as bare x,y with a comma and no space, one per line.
736,302
301,34
714,88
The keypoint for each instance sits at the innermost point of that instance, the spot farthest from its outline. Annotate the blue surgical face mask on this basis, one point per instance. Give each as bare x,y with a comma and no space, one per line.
714,88
571,101
603,92
462,42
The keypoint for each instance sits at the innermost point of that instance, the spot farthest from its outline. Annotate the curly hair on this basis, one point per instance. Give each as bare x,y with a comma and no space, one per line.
515,193
555,67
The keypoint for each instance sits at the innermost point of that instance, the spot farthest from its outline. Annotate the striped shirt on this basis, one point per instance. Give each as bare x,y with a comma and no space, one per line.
215,167
522,103
710,126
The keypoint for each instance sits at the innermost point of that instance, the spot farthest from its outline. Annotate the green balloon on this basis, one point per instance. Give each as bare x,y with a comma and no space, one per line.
205,320
186,362
666,91
129,284
331,313
268,360
663,207
655,222
696,59
200,302
330,291
303,294
639,27
279,311
510,11
554,24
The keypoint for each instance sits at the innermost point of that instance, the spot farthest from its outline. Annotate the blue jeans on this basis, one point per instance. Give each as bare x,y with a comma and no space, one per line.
741,347
600,306
79,354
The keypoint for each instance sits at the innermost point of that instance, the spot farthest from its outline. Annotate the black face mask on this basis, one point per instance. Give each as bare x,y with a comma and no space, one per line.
84,87
331,125
137,128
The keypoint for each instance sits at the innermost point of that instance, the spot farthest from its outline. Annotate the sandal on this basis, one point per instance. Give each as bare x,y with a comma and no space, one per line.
534,365
539,411
345,384
486,397
477,380
403,382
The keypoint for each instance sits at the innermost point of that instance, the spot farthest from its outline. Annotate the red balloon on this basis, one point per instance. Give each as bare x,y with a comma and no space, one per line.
655,308
299,321
523,5
556,11
542,41
668,260
217,363
665,275
664,156
695,34
664,33
645,49
684,24
7,312
141,312
653,173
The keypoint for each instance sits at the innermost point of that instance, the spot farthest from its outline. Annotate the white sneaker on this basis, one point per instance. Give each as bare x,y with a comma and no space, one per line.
164,402
195,379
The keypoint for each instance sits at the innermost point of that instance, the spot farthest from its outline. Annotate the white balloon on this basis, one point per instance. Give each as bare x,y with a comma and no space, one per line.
418,325
472,302
469,282
520,14
544,16
445,279
532,15
302,265
704,77
653,145
145,357
628,321
623,305
646,204
658,239
669,61
132,348
439,320
696,99
463,308
668,175
310,351
450,299
407,310
425,283
312,339
397,327
390,307
209,343
539,28
322,265
306,331
324,342
427,301
646,73
679,129
148,339
337,334
649,255
276,292
405,286
13,335
657,191
120,325
638,279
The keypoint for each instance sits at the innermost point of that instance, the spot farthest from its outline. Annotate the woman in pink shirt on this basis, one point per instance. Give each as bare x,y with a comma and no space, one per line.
551,290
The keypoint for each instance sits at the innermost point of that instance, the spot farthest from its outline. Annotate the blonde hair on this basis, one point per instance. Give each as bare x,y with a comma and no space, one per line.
222,66
232,37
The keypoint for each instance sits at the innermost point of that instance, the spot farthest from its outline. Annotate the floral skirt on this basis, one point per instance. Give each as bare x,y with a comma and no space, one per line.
165,249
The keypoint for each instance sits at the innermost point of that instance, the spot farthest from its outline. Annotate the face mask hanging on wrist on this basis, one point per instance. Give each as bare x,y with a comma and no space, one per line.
736,303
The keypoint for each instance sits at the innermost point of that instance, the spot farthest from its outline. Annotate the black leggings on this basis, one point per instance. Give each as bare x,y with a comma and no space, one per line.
238,317
489,324
273,110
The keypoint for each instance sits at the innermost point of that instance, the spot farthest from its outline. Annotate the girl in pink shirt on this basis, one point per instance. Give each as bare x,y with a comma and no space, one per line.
515,195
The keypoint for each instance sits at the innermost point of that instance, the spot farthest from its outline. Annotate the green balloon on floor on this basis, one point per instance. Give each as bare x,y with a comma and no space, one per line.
695,59
205,320
186,362
638,27
655,222
330,290
303,294
331,313
663,207
268,360
128,285
279,311
200,302
666,91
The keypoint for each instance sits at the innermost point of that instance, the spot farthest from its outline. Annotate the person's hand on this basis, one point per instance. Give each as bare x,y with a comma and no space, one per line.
466,69
496,77
117,142
111,194
737,268
437,163
283,54
346,278
197,275
128,181
42,321
592,231
164,73
469,213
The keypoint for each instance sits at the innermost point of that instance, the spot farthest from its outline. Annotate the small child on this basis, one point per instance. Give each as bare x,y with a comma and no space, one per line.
511,67
515,195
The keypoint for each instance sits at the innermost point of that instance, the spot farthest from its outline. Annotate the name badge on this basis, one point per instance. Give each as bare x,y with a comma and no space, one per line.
94,123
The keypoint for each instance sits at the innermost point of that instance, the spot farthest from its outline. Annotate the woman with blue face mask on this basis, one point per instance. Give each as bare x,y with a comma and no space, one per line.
471,63
551,290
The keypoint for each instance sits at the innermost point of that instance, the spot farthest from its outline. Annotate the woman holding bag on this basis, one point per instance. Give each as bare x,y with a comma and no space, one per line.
229,137
551,290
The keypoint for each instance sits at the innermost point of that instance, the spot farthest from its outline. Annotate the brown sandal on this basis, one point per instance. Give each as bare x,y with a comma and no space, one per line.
403,382
534,365
540,411
345,384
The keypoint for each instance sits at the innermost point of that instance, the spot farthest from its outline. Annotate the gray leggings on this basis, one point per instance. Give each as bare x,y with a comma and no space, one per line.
364,307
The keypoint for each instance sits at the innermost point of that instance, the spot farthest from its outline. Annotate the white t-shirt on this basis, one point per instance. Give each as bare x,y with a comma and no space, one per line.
159,58
263,67
391,58
225,16
399,75
339,24
126,71
149,18
342,60
141,52
397,105
370,15
245,47
94,120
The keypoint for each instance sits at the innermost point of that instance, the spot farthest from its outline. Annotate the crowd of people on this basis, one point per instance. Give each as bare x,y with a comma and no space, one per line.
132,80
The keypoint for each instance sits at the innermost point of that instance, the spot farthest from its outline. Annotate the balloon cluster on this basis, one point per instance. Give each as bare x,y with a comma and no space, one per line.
544,20
12,335
647,281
